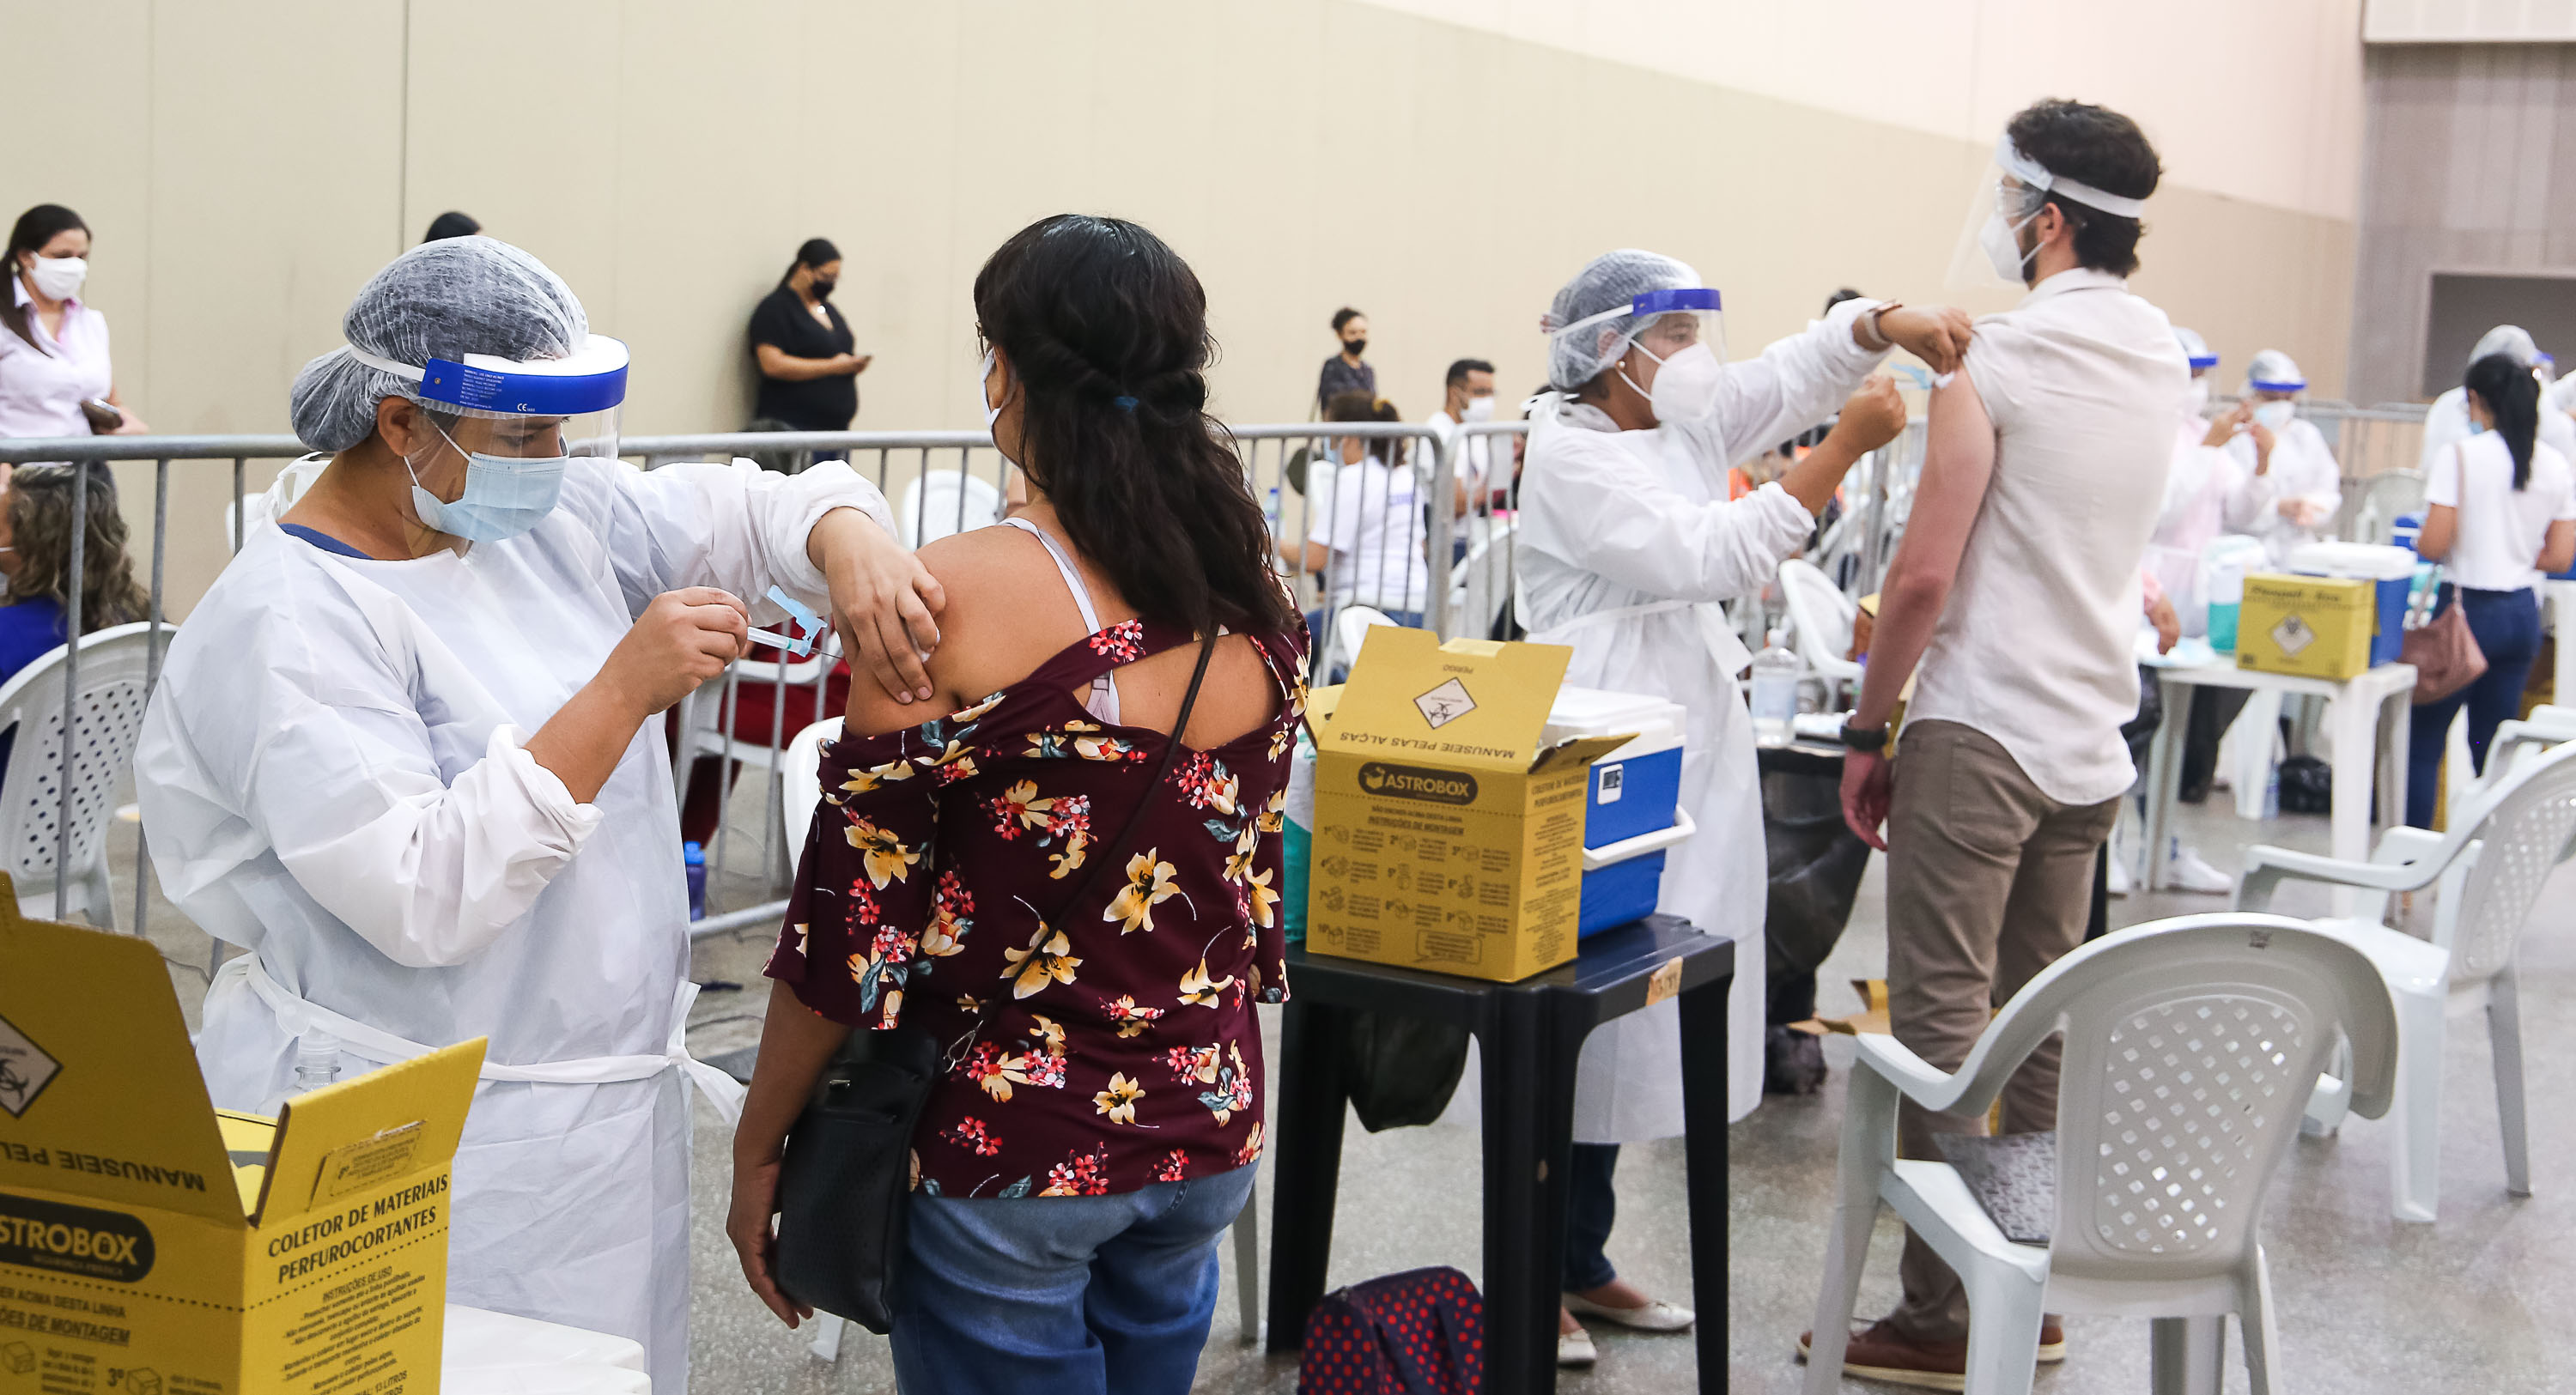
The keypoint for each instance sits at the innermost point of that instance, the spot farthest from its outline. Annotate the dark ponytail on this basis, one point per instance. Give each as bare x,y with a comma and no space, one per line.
36,227
1105,330
816,251
2512,398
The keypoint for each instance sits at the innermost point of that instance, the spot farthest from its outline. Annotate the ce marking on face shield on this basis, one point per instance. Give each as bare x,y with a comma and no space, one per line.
25,1069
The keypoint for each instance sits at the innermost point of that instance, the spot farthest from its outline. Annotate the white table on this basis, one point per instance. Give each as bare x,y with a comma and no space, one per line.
2561,596
2381,698
495,1354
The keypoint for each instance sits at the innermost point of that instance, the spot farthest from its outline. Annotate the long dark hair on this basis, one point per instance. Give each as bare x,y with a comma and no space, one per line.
36,227
40,527
2512,396
816,251
1105,329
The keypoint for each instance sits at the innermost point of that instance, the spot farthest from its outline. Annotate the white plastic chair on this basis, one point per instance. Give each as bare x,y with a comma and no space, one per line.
2490,869
800,794
110,718
1820,620
930,508
2190,1045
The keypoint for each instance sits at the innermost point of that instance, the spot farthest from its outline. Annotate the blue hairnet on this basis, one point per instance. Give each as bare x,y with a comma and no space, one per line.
1608,282
445,299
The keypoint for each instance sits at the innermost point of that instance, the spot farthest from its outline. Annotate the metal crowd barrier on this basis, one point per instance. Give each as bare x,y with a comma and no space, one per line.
938,483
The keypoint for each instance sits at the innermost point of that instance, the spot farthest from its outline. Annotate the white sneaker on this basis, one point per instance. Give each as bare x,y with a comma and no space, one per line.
1574,1350
2186,871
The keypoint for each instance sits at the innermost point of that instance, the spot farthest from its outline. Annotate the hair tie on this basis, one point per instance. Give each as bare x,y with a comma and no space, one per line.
1124,404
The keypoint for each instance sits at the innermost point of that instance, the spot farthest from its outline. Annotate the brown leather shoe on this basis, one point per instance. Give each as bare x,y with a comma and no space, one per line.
1881,1353
2052,1342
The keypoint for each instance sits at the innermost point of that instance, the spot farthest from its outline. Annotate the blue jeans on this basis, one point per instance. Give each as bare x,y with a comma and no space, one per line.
1073,1295
1591,1208
2507,624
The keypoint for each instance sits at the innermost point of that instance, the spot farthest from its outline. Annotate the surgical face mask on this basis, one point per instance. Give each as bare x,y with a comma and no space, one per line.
59,278
984,385
2276,416
1479,409
1355,347
1685,386
2199,398
504,495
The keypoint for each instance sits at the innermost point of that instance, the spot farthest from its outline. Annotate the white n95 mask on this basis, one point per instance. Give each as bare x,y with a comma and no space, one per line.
504,496
1479,409
2276,416
2001,241
59,278
1686,384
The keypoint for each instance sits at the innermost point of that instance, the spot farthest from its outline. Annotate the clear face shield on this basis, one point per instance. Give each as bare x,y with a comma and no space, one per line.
1996,247
516,424
1669,345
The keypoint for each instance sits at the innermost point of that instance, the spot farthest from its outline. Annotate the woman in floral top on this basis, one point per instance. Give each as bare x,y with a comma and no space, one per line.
1102,1108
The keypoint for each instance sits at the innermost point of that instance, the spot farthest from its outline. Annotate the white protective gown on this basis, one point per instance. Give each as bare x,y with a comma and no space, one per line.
331,778
1627,543
2303,467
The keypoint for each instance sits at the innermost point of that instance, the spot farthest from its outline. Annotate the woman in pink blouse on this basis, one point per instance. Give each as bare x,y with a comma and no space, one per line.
53,345
1097,1131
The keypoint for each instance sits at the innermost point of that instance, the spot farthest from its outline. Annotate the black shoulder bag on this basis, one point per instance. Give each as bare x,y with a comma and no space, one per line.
845,1179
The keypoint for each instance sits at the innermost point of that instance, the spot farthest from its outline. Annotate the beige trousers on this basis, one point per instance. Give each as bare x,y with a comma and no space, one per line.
1989,881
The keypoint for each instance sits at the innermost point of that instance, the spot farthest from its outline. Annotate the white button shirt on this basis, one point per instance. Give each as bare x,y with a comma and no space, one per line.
2083,382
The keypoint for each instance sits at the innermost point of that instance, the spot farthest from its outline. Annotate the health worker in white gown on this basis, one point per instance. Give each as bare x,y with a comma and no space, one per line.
1627,545
401,757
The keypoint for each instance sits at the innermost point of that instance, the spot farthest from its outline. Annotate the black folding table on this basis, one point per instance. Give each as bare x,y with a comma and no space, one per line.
1529,1035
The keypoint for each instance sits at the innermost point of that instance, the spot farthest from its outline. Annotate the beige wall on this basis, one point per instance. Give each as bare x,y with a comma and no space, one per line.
1444,166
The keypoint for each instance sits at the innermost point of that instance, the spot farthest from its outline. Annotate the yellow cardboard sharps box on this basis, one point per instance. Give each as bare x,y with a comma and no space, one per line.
2311,626
1446,837
149,1247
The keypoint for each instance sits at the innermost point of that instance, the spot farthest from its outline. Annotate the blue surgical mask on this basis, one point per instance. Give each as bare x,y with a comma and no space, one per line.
504,495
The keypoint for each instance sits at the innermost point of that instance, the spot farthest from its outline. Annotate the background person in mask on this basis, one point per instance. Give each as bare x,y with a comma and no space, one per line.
2297,484
53,344
2447,421
1468,398
401,756
1344,371
809,378
1627,544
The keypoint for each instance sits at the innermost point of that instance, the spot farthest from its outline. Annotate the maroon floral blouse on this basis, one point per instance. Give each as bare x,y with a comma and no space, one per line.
1125,1050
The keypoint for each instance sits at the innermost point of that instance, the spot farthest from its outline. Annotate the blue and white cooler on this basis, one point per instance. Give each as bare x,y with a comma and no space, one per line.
1632,812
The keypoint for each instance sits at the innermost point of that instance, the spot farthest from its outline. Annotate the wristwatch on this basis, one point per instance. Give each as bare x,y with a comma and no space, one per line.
1871,740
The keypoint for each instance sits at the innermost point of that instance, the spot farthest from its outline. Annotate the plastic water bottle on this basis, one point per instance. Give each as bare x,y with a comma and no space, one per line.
694,857
1776,671
317,1060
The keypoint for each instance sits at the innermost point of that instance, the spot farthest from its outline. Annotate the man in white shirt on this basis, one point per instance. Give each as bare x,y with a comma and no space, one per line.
2017,588
1469,399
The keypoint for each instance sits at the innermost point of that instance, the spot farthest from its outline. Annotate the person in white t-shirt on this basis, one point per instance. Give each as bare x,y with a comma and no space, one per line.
2017,588
1365,529
2500,512
2446,422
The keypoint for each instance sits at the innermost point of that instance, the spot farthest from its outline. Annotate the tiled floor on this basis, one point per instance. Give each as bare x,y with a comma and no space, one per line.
2365,1304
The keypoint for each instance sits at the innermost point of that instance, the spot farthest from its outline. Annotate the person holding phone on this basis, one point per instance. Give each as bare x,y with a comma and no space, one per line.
55,377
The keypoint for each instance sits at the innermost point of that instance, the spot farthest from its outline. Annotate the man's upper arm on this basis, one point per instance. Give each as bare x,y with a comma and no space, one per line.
1958,464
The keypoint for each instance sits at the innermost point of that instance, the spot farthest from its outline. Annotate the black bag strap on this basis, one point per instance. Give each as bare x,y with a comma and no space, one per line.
1109,852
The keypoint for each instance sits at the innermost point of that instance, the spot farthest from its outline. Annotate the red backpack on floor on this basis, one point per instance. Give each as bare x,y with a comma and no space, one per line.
1417,1333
